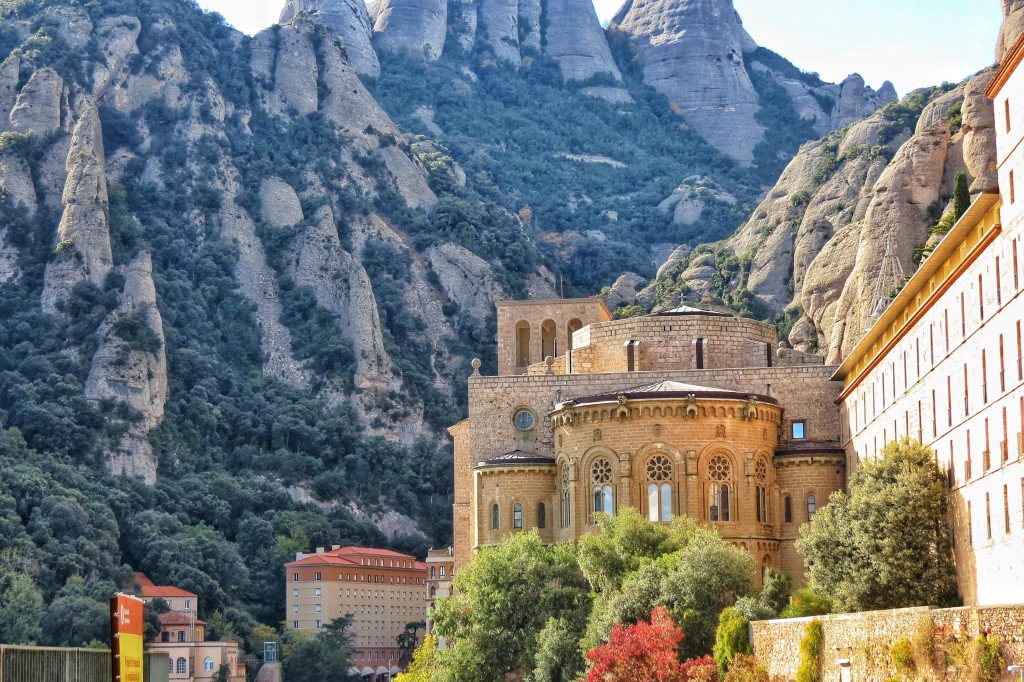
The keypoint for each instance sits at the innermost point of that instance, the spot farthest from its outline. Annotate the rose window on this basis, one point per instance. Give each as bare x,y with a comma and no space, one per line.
659,468
601,471
719,469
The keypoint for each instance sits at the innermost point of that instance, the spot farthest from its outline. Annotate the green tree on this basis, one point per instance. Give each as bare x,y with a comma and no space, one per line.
887,544
425,666
806,602
961,195
407,641
323,657
503,599
21,606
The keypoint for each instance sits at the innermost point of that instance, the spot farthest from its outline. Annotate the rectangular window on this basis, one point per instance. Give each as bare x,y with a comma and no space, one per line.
949,402
988,517
981,299
1020,355
984,378
1004,449
699,344
1002,366
318,625
318,592
631,345
295,625
319,576
295,577
967,462
295,593
945,327
1016,272
935,426
931,344
999,285
295,608
319,608
967,393
986,454
1006,111
963,316
1006,509
1013,190
799,430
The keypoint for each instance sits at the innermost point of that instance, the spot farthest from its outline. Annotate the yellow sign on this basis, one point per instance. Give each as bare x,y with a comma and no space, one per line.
126,638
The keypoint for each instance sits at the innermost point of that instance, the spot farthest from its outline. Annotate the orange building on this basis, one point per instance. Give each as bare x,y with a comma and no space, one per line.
182,636
380,590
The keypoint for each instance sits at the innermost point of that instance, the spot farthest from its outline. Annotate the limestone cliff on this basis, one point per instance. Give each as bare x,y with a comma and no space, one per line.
130,366
348,20
414,27
697,53
82,251
815,244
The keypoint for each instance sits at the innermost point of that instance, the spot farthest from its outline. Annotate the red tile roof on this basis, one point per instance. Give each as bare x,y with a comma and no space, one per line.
150,591
177,618
370,551
322,560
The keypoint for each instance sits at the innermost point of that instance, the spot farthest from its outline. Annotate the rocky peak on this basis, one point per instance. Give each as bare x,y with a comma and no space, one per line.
697,53
1013,26
414,27
130,366
83,251
349,20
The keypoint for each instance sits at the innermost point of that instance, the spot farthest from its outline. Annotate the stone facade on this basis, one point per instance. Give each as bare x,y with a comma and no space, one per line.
530,331
864,641
691,412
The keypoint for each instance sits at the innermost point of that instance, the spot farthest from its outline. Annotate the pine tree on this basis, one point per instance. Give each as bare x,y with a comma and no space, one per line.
961,195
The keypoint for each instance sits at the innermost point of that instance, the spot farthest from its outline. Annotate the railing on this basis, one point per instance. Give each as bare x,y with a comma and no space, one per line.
47,664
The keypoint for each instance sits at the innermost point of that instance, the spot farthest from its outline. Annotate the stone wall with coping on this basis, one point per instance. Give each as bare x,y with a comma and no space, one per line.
865,640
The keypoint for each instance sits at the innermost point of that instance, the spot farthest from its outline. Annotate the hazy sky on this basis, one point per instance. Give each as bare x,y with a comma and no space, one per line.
913,43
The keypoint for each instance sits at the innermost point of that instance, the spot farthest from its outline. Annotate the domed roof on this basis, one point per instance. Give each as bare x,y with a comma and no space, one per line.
690,310
666,389
515,457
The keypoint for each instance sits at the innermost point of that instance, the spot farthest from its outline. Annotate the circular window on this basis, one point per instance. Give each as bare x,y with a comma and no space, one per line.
659,468
524,420
601,471
719,469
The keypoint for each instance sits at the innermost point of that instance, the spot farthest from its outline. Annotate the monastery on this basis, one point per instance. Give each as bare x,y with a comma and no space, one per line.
703,413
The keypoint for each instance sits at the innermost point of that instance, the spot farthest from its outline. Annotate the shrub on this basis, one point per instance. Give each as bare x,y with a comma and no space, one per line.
703,669
810,654
731,638
902,654
643,652
746,669
806,602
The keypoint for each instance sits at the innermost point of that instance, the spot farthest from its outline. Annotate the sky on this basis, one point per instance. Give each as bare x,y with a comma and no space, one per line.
913,43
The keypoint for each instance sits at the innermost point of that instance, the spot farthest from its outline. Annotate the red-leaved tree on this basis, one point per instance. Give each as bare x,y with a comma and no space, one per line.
644,652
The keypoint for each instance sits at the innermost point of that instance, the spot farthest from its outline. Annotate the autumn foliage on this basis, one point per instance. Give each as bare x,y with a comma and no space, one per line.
643,652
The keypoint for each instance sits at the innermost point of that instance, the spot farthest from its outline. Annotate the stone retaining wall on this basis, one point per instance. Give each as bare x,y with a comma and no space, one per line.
866,639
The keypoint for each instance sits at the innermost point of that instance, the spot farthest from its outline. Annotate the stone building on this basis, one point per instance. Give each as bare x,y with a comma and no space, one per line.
440,576
380,590
689,411
182,636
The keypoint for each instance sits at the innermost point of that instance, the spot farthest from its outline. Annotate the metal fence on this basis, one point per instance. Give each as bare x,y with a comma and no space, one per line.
45,664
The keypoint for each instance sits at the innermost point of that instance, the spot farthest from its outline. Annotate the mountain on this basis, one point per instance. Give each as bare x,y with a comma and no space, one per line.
812,251
241,279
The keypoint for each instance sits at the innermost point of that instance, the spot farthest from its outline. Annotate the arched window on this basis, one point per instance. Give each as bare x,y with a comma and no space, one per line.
208,664
182,665
566,508
719,502
517,515
787,508
761,503
812,506
604,494
659,489
542,520
548,342
574,325
495,517
522,343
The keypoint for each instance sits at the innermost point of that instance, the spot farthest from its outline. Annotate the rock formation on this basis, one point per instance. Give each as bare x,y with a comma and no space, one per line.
816,242
575,40
697,53
130,366
466,278
414,27
39,104
82,250
348,20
